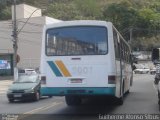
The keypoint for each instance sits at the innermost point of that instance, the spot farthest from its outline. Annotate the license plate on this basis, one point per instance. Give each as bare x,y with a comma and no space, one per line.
76,80
17,95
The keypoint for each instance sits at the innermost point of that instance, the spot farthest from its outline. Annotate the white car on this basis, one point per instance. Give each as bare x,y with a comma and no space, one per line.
153,71
27,71
141,69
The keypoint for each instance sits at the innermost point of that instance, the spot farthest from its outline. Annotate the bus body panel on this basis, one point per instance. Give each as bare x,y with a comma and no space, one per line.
93,74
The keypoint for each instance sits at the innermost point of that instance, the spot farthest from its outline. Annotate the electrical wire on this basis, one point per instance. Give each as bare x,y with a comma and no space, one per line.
26,21
24,40
5,38
36,38
29,32
29,43
30,23
32,10
5,31
37,13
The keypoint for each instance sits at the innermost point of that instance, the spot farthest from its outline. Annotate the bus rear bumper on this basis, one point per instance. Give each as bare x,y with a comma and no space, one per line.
63,91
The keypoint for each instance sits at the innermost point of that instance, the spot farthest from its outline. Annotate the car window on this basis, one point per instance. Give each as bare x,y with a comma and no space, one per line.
27,78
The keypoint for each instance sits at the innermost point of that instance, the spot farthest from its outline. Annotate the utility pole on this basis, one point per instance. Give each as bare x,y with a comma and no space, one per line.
15,46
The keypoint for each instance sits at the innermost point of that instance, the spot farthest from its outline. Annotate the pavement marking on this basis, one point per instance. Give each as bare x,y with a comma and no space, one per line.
43,108
29,113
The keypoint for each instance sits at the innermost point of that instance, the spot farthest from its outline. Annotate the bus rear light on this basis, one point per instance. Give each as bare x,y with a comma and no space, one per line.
43,79
111,79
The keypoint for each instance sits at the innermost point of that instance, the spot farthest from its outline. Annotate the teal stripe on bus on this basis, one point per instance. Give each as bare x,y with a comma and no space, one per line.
61,91
54,68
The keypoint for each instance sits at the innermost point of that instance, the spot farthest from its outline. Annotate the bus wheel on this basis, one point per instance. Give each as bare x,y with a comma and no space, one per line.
159,104
73,100
159,95
120,101
127,92
50,96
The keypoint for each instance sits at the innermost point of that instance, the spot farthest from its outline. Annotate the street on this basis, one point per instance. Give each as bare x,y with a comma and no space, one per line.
142,99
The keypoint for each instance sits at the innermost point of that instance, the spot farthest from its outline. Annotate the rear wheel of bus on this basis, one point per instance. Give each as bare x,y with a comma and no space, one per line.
73,100
121,99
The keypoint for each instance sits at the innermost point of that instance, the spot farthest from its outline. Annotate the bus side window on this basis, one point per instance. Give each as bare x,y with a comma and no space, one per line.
116,44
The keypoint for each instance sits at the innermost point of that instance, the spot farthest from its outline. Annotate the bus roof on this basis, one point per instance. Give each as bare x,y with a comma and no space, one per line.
78,22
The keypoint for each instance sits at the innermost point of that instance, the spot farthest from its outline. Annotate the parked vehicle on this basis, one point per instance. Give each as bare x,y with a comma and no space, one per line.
153,71
27,71
141,69
26,87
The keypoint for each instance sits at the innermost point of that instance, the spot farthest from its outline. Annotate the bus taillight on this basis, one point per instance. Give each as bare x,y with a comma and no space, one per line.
111,79
43,79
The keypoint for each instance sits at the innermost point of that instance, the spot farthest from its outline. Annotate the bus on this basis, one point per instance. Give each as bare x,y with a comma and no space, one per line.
84,58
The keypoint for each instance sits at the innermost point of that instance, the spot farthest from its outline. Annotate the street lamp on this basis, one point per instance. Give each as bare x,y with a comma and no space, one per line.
15,38
28,20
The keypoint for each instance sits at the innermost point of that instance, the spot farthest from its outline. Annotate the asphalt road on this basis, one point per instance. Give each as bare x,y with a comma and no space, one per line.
142,99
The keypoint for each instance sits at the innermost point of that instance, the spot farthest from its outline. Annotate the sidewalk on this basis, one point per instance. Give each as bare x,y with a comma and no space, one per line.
4,84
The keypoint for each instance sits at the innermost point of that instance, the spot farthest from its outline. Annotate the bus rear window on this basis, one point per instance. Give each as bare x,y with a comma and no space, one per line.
78,40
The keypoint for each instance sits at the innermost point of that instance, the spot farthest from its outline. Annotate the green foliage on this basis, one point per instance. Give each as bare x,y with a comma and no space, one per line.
5,13
88,9
62,11
122,15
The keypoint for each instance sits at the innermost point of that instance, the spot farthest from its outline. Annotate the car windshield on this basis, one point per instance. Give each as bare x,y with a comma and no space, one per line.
27,79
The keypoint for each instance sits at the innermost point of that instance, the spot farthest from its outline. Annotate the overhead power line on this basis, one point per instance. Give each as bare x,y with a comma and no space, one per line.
5,38
29,32
27,21
30,23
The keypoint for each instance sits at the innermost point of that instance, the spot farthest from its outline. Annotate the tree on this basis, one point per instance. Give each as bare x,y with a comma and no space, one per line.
63,11
5,13
89,9
122,15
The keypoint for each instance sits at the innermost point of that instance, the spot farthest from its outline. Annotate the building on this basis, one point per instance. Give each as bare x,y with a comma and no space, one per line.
30,24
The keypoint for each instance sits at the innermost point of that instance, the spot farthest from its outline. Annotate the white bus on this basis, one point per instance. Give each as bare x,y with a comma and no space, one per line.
84,58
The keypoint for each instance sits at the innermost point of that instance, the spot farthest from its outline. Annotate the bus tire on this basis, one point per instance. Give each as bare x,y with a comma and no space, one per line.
159,104
158,95
127,92
50,96
120,100
72,100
